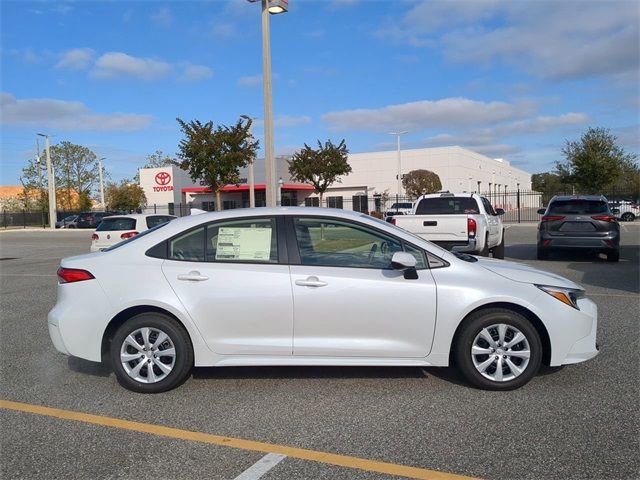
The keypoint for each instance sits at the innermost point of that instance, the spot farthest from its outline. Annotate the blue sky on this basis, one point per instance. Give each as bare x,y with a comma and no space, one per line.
509,79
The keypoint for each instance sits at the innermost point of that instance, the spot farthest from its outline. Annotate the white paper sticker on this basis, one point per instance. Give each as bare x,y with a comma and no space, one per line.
243,243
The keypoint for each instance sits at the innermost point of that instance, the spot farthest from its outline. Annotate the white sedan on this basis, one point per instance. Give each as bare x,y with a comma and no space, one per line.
312,286
116,228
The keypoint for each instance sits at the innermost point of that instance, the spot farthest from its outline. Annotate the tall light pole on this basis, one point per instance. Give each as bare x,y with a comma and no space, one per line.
252,178
51,182
399,186
101,183
269,7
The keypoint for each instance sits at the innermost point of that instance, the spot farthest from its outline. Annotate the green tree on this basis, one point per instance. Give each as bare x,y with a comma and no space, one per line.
34,182
594,162
215,156
322,167
128,196
421,182
549,184
76,172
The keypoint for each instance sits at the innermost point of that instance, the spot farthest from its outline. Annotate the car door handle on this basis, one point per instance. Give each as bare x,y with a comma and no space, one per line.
193,276
311,282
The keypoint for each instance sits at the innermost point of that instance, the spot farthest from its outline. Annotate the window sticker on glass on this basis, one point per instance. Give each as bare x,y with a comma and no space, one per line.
243,243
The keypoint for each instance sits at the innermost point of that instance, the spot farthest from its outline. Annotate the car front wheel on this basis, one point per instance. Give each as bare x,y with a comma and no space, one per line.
498,349
151,353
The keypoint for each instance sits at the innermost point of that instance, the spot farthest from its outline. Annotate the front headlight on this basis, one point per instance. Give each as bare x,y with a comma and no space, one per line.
568,296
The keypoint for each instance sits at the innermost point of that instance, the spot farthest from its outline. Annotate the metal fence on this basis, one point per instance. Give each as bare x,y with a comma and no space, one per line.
519,206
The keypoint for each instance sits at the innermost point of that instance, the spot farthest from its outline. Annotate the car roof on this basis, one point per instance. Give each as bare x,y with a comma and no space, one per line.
578,197
139,216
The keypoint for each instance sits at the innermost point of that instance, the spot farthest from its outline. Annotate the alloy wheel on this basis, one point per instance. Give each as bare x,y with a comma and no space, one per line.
148,355
500,352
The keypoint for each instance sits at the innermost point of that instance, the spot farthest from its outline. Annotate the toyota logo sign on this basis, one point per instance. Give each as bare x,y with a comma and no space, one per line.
163,179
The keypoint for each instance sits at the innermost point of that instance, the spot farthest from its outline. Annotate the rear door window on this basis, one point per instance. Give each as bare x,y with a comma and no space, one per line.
157,220
447,206
578,207
116,224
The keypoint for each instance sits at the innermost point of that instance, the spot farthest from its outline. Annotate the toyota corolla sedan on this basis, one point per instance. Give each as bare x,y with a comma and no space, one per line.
311,286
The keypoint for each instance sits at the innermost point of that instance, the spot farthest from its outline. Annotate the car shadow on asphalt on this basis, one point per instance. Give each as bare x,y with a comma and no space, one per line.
95,369
596,270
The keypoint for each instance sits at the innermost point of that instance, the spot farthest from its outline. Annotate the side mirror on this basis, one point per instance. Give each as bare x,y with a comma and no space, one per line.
407,263
615,211
499,211
541,211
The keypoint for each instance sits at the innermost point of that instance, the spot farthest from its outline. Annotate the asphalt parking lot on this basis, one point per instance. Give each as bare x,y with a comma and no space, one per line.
577,422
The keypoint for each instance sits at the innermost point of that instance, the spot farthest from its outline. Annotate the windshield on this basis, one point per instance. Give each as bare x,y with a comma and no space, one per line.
578,207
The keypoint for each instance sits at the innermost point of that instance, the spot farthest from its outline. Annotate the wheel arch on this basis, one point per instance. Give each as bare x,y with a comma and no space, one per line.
528,314
125,315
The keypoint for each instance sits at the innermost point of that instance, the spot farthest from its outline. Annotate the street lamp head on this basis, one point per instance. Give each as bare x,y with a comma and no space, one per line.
398,133
277,6
42,135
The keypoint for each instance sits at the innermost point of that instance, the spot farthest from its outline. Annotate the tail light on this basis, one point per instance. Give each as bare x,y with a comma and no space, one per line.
604,218
126,235
94,237
393,221
471,227
551,218
71,275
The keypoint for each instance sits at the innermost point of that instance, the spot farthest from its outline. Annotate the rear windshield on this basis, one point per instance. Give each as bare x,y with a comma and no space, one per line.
402,205
134,238
116,224
447,206
578,207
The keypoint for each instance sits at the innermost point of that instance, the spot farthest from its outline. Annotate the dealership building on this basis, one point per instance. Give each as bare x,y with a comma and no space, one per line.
373,176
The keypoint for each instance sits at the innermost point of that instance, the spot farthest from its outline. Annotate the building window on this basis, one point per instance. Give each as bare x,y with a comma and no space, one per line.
171,209
208,206
334,202
229,204
360,203
289,199
312,202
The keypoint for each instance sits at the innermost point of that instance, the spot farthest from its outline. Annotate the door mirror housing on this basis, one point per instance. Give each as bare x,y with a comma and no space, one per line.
541,211
615,211
499,211
403,261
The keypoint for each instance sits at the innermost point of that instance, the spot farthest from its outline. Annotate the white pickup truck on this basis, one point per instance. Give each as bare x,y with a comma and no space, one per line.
463,222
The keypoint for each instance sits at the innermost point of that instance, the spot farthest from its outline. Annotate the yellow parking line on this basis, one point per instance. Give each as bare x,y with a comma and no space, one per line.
300,453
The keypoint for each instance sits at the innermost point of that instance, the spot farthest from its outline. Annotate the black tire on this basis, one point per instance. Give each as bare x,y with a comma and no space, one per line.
485,249
613,256
542,254
498,250
178,338
628,217
469,336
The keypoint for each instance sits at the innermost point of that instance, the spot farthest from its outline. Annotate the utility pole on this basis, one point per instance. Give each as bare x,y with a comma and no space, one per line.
101,184
39,169
399,176
252,181
51,181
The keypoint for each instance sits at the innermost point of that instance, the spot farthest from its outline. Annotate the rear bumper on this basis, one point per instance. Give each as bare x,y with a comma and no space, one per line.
601,243
469,246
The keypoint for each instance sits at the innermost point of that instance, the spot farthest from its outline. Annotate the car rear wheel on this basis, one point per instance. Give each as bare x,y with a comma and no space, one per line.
151,353
485,248
628,217
498,349
613,256
498,251
542,254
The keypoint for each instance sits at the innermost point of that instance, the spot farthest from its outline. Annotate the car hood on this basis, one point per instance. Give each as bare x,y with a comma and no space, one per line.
520,272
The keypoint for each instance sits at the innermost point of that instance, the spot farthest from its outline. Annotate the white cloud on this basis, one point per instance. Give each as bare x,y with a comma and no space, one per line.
162,17
64,115
253,81
194,73
118,64
76,59
557,40
414,116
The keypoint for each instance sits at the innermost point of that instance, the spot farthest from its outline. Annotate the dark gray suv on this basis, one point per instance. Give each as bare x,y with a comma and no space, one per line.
579,222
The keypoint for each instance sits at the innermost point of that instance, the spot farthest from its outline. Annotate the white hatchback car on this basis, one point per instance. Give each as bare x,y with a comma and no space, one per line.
116,228
311,286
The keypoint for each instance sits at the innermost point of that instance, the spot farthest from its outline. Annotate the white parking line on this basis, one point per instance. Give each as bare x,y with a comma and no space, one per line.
262,466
